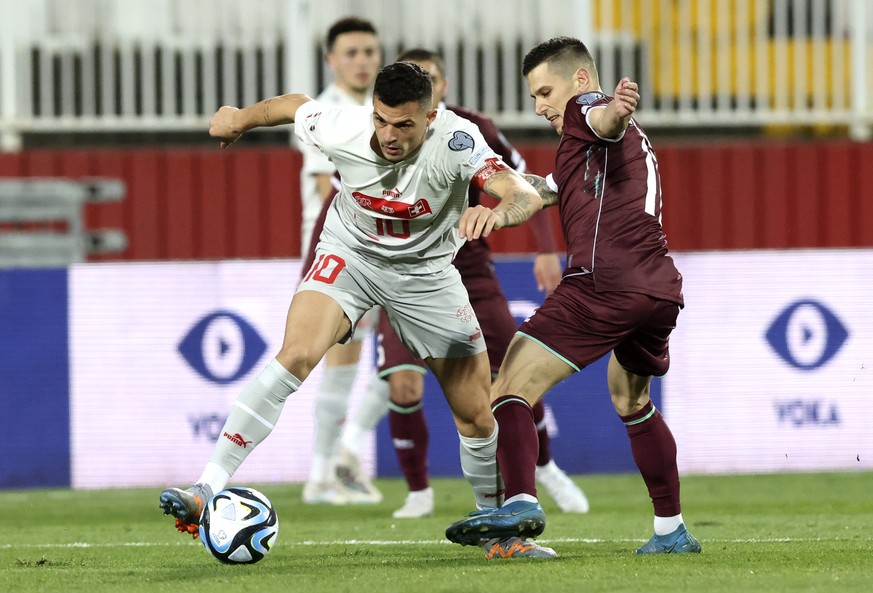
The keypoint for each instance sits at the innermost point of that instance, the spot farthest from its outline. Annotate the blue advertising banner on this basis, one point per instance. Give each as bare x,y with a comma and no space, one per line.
586,434
34,378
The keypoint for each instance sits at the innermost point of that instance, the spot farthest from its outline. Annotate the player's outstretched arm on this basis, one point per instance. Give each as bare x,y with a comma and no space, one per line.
612,121
229,123
549,197
518,202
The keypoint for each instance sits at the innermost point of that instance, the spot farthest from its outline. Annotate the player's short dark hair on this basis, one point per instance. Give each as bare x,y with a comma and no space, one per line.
563,54
403,82
419,54
351,24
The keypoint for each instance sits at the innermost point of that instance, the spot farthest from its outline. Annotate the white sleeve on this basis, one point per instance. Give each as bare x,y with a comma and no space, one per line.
307,129
550,182
328,129
307,123
480,155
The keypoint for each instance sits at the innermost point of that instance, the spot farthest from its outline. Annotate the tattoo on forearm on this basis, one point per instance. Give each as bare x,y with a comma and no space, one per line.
549,197
519,210
517,206
266,112
489,183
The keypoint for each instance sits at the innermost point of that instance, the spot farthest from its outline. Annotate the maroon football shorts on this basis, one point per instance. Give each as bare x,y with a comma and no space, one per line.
492,310
581,325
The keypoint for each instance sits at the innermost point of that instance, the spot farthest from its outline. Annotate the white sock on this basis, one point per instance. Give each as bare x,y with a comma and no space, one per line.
520,497
319,468
549,469
253,416
331,405
479,464
374,405
666,525
215,476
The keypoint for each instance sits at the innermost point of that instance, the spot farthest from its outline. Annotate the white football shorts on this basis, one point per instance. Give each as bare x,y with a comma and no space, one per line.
430,312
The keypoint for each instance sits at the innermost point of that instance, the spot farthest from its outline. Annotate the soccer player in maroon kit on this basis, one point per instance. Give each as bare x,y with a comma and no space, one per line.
620,294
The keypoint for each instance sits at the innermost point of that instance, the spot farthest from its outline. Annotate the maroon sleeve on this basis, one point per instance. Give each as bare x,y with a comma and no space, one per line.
574,115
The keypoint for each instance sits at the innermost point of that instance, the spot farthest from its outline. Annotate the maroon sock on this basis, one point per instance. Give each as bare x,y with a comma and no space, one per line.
517,445
654,451
539,414
411,438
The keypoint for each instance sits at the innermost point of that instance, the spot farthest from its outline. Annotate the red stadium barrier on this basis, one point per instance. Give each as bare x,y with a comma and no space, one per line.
244,203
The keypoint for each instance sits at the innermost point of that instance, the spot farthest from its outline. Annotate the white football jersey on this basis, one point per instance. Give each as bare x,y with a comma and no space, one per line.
316,163
405,214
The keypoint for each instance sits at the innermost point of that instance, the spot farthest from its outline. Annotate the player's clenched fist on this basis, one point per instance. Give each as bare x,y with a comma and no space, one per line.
222,126
626,97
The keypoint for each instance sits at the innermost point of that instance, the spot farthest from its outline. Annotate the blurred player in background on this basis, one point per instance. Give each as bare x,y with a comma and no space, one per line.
620,295
354,56
405,374
388,240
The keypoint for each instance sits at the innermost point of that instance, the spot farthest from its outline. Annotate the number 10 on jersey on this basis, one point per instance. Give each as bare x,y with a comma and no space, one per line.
389,227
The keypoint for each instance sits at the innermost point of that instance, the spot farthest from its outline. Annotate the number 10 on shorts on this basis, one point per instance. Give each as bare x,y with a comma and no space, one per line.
326,269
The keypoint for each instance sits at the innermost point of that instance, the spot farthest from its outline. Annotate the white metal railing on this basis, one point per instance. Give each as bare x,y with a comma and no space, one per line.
146,65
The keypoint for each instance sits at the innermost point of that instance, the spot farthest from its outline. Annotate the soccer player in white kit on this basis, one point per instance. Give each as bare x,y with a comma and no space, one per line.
389,240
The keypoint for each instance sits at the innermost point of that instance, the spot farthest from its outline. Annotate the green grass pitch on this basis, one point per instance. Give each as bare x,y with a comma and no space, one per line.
760,533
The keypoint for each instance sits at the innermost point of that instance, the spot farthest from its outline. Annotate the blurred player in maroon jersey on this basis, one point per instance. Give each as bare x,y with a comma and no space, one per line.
620,295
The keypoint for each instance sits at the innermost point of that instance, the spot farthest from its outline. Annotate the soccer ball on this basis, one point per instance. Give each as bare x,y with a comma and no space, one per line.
239,526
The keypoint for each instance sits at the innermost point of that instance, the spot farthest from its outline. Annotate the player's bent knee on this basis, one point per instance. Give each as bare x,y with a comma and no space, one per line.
626,403
299,360
480,425
407,388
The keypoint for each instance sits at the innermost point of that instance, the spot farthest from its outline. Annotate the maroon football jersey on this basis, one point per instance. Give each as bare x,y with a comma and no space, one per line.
610,207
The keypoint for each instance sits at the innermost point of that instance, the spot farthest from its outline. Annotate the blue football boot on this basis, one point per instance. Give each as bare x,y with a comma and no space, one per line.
186,506
678,542
520,519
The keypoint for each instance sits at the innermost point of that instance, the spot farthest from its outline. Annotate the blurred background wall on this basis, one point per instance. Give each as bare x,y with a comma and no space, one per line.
760,109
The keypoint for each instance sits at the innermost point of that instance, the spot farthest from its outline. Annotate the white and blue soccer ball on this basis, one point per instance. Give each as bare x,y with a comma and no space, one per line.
239,526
